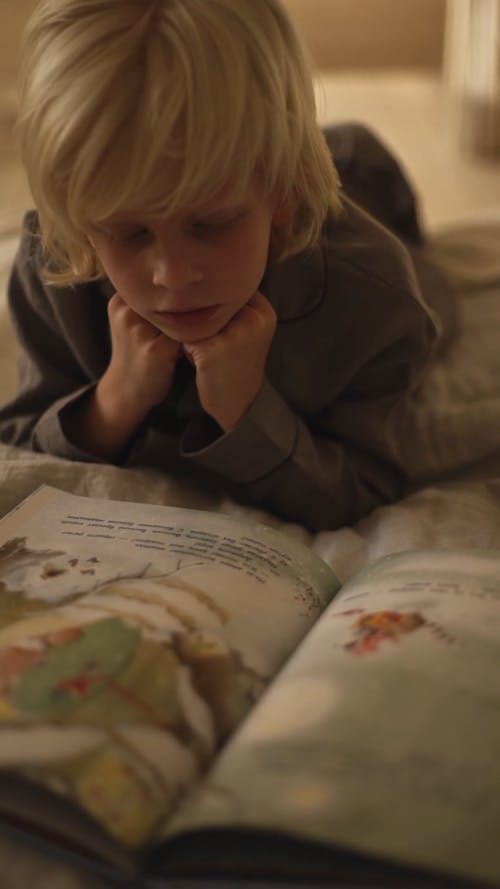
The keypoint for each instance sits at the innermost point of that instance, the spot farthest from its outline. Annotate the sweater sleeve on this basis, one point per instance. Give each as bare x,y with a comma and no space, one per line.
338,459
52,373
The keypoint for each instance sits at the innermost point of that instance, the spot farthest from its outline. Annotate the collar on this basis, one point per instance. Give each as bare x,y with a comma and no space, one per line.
296,285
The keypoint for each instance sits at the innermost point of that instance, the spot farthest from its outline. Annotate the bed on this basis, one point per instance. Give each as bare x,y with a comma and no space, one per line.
453,497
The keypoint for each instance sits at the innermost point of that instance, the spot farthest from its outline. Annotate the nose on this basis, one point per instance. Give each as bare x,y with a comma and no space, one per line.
173,269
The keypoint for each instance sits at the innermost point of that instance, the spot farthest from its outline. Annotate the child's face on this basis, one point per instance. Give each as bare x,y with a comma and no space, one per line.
190,273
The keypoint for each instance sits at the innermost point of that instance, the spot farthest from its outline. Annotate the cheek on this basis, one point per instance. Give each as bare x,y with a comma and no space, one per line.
248,254
108,262
123,274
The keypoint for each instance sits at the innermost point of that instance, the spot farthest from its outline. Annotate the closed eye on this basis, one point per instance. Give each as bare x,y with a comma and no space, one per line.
213,226
127,235
134,236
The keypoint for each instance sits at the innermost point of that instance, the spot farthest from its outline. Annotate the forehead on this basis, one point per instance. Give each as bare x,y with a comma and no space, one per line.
229,198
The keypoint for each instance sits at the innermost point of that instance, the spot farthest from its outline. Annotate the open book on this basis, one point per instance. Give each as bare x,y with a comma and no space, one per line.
186,697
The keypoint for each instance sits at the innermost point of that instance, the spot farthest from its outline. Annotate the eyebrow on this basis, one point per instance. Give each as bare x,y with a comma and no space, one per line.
126,220
218,212
144,221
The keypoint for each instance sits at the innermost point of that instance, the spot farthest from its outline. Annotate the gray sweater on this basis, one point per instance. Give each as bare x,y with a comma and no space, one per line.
317,444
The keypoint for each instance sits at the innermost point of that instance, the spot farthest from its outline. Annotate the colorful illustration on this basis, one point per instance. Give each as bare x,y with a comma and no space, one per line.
374,628
130,656
15,560
228,686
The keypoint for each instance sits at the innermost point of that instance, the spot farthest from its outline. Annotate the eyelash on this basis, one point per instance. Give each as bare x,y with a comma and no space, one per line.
202,228
140,235
199,228
131,237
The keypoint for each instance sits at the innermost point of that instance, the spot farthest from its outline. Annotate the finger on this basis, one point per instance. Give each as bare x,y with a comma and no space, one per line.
187,348
114,303
122,315
264,310
258,300
117,306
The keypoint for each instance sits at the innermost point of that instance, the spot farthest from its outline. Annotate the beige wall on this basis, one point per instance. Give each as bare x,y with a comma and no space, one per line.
340,33
13,14
372,33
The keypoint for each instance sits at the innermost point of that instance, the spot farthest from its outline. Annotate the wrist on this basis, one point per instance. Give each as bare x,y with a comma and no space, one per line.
100,425
116,407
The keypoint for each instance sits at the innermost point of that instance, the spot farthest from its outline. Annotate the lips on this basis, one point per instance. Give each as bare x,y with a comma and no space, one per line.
187,316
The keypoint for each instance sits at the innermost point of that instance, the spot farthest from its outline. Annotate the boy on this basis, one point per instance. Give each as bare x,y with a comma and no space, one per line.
194,292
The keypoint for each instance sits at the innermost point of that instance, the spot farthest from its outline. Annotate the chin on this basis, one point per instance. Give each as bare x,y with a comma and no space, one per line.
190,333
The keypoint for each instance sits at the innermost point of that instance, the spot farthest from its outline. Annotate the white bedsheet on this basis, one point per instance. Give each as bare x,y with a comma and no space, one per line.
455,472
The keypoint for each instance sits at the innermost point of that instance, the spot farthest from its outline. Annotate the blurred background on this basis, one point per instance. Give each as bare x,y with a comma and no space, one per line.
423,73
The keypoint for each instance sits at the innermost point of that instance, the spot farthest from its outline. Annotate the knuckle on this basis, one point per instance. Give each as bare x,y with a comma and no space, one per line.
117,309
112,306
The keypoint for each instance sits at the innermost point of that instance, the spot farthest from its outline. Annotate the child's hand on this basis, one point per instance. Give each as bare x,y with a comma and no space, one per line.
230,366
142,363
138,376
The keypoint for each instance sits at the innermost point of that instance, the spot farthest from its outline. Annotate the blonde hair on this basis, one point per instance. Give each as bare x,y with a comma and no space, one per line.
154,105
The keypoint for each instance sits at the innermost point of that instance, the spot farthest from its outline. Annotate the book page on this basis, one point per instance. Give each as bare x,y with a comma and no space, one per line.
133,640
382,733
